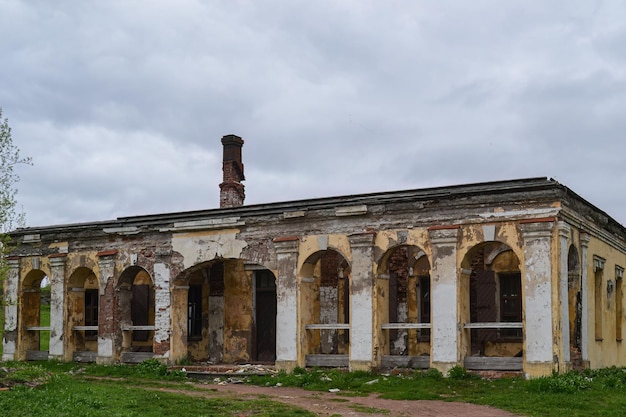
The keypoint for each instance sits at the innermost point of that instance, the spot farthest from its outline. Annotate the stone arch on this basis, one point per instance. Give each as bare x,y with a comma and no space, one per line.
325,302
214,312
136,306
34,316
81,330
491,304
404,284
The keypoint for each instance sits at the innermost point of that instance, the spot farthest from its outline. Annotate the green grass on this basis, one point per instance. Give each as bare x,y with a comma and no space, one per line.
67,390
44,320
1,318
592,393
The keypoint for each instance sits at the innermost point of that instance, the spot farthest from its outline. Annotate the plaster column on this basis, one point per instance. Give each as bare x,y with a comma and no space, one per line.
180,314
106,315
287,317
538,306
11,284
444,298
564,234
57,310
362,302
584,289
162,317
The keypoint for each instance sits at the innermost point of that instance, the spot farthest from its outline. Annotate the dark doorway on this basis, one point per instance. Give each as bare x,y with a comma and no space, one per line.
265,316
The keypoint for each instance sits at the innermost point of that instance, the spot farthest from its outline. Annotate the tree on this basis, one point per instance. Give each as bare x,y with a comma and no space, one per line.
9,158
9,217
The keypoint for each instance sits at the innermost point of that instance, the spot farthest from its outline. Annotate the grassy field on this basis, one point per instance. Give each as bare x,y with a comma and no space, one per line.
64,391
146,390
592,393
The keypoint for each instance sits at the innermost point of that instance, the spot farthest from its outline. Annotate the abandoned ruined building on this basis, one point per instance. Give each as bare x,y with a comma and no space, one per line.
521,275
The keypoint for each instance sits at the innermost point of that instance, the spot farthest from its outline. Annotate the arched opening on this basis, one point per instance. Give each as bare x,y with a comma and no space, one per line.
492,311
136,301
325,301
406,332
82,313
574,303
35,316
205,312
224,311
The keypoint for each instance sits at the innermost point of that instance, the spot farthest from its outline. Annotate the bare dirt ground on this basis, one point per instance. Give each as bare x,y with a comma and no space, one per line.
327,404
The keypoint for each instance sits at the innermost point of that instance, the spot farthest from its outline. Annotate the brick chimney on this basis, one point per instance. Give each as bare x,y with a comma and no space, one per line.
231,189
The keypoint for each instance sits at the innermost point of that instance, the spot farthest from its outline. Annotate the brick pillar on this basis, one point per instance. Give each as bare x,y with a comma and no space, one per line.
444,298
231,189
106,305
287,317
57,307
537,289
9,341
362,301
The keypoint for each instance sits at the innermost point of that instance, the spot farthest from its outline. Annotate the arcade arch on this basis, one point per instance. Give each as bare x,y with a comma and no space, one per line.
325,307
82,313
136,301
34,323
492,308
225,311
405,302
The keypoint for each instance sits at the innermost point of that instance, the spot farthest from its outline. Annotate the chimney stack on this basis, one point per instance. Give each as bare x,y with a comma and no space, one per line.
231,189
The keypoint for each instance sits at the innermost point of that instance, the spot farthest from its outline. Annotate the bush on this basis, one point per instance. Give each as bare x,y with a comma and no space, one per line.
433,373
458,372
570,382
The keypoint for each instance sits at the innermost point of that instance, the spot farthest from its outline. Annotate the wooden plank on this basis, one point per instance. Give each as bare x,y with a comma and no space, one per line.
397,361
404,326
327,361
494,325
85,356
36,355
329,326
136,357
485,363
139,328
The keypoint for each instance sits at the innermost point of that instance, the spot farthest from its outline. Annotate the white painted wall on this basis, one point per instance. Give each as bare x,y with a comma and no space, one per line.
162,303
10,309
57,300
444,289
537,293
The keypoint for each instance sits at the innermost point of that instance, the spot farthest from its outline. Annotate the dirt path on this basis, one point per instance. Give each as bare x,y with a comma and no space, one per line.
328,404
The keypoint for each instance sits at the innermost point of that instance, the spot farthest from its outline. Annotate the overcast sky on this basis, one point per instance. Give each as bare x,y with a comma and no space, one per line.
122,104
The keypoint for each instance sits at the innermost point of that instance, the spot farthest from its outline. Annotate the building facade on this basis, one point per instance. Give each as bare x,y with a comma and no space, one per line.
519,275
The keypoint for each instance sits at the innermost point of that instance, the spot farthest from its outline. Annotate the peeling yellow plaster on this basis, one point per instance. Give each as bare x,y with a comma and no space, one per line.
59,245
204,246
311,244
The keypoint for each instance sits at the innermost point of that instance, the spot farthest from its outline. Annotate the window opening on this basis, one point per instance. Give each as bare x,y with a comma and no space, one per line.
510,303
91,313
424,307
194,317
